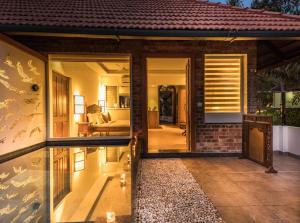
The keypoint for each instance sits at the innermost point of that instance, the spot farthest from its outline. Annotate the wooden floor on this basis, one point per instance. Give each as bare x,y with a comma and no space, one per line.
242,192
166,139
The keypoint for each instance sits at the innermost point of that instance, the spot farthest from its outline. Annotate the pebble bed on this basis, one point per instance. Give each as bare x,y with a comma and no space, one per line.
167,192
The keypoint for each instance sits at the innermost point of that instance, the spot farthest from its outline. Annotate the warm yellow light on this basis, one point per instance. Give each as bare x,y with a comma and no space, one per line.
76,92
78,104
123,180
110,217
222,83
76,117
101,92
79,161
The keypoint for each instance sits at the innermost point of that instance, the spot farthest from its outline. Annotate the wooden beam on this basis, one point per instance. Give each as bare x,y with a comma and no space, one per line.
274,49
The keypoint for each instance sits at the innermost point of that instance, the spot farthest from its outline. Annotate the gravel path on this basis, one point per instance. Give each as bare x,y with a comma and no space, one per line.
167,192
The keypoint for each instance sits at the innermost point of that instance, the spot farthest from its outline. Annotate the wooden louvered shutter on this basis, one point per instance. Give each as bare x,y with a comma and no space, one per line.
222,84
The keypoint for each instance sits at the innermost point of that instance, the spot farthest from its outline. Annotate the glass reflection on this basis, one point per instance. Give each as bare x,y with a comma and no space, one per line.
23,189
73,184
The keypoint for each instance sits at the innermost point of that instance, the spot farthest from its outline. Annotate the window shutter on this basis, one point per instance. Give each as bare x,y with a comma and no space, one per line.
222,84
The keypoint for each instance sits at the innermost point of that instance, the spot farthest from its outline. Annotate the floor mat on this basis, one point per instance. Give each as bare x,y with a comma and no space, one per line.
167,192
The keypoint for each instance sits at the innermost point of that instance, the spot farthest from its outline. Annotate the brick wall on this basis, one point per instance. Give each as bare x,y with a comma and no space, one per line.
207,137
220,137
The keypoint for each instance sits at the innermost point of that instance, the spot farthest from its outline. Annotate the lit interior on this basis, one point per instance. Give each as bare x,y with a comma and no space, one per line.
84,82
167,117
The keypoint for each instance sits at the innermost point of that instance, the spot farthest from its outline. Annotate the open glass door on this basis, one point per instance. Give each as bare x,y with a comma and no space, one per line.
168,105
187,105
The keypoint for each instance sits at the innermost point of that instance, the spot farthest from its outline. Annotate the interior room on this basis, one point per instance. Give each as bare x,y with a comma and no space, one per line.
90,96
91,182
167,104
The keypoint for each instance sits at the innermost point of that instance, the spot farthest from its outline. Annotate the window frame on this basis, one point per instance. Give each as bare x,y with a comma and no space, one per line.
229,117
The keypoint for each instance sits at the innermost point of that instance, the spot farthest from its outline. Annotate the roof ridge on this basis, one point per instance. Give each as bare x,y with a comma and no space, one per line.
262,11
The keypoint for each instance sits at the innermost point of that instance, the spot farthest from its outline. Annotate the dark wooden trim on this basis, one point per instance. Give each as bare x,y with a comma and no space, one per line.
65,142
48,186
140,33
89,142
189,155
12,155
274,49
22,47
145,102
193,105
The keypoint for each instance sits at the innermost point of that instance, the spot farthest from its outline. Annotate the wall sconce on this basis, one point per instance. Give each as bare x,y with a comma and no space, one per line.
79,161
102,104
123,180
78,104
110,217
128,159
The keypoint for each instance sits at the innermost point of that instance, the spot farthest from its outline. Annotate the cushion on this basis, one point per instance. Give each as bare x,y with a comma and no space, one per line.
106,117
99,118
92,118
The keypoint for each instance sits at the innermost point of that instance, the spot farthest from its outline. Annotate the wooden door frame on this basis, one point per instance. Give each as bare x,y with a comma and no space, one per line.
70,99
191,89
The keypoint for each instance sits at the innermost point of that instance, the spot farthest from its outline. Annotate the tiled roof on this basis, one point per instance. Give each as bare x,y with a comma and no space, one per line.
141,15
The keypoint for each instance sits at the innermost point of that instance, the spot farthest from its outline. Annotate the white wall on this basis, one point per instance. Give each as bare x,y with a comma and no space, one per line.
22,111
83,81
286,139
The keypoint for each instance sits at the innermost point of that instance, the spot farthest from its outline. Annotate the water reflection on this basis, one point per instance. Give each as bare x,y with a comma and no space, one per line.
23,189
81,184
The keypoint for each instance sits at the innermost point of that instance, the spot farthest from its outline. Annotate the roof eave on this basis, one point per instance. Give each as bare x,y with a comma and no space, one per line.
141,33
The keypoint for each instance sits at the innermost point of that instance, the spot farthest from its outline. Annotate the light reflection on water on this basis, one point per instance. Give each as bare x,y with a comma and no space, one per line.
72,184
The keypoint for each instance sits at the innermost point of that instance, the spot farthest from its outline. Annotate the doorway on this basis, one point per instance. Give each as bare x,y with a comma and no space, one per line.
60,89
168,107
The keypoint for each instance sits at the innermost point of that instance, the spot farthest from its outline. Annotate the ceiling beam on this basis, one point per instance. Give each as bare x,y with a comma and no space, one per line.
280,55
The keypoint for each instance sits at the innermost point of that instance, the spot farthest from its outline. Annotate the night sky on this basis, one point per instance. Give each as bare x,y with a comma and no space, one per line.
247,3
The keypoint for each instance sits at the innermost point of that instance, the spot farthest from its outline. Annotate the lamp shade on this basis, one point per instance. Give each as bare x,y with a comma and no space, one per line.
78,104
79,161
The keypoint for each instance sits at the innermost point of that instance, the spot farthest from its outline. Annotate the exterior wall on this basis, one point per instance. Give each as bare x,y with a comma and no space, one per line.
286,139
206,137
220,137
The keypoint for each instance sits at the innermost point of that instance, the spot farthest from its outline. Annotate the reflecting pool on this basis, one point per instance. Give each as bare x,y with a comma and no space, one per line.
67,184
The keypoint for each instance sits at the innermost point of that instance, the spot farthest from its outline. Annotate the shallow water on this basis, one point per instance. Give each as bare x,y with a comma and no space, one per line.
69,184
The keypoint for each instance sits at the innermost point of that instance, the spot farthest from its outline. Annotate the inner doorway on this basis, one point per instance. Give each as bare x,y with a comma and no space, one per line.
60,85
168,107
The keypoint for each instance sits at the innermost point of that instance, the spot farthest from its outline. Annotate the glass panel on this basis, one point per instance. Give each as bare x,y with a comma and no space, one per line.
89,96
91,184
23,189
74,184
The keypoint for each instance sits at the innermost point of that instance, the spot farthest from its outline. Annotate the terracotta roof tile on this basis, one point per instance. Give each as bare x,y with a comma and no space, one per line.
142,14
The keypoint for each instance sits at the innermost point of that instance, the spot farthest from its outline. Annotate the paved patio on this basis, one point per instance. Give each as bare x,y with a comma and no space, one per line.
240,190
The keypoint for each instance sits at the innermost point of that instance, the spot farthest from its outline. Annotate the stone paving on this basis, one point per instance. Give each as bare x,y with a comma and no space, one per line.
168,193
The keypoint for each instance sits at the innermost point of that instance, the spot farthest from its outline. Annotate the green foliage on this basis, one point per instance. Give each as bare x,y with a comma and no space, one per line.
238,3
293,117
264,100
285,6
284,78
296,98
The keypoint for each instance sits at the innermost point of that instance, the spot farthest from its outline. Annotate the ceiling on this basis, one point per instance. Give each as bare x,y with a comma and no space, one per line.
166,66
273,53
